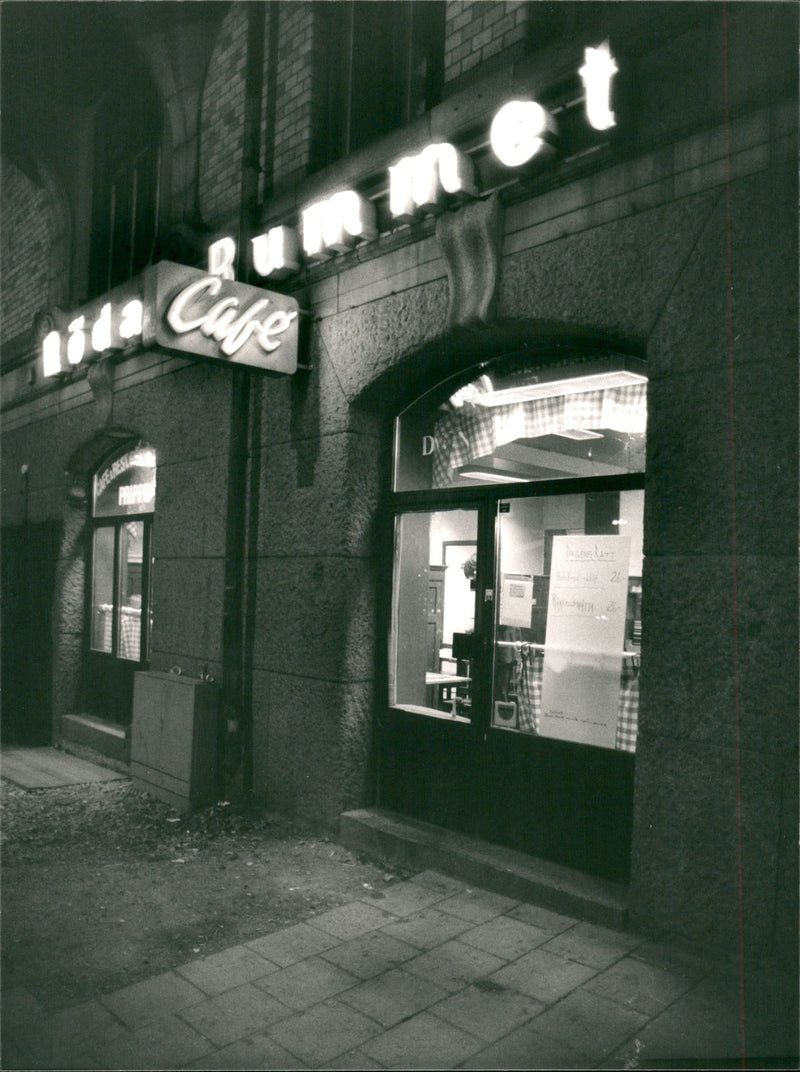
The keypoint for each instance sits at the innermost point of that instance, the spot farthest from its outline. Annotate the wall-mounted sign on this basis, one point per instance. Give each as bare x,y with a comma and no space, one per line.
583,641
127,485
426,181
205,314
336,224
113,322
215,317
419,183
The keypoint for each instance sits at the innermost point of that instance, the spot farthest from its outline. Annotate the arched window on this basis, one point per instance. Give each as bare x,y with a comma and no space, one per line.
515,634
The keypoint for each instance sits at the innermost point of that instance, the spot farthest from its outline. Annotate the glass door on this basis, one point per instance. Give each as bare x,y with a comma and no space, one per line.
120,612
515,630
565,685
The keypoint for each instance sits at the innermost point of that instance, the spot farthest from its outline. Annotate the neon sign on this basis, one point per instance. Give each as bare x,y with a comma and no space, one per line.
213,316
336,224
205,314
596,74
113,322
422,183
417,183
518,132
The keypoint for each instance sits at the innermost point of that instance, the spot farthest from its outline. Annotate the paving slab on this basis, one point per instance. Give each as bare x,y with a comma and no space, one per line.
526,1048
453,965
152,999
488,1010
424,1041
593,1025
259,1051
307,982
371,954
324,1032
287,946
427,929
351,920
223,971
245,1010
394,996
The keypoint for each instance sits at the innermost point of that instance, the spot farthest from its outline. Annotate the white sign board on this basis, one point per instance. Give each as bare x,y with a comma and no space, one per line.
516,600
584,638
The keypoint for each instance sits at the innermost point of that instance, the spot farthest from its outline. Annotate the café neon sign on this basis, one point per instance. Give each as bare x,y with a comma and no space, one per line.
205,314
213,316
418,184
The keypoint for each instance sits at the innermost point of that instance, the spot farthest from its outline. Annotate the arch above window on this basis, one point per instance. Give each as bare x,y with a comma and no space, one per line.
513,422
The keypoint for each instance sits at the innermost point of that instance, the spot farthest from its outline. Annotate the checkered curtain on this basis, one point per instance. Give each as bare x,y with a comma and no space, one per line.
474,431
528,686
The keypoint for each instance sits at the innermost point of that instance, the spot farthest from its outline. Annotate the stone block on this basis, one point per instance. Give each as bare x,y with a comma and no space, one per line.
315,617
321,495
189,520
719,455
726,663
159,411
187,618
706,843
616,277
311,744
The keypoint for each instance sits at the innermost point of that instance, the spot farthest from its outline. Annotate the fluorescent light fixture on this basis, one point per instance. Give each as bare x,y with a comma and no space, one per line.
533,390
578,434
496,476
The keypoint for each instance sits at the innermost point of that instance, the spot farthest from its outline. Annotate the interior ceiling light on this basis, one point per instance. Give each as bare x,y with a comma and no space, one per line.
498,476
524,392
578,434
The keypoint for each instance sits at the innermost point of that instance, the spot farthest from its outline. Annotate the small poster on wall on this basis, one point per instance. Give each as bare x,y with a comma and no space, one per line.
584,638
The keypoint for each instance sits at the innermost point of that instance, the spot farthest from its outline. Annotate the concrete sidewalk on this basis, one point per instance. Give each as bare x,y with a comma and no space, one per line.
434,974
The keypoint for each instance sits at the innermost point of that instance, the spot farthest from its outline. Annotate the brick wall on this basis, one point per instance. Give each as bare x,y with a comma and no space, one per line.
293,111
25,242
222,116
475,31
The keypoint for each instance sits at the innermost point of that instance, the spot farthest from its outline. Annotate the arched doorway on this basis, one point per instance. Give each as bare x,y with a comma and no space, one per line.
120,613
515,633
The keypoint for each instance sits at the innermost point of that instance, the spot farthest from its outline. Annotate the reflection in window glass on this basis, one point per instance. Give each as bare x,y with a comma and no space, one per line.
130,619
568,618
527,425
433,613
103,589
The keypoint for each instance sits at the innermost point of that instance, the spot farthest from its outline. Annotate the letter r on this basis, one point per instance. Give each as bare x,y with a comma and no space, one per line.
221,255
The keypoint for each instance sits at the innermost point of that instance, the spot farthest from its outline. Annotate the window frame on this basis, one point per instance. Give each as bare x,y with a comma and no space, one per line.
343,99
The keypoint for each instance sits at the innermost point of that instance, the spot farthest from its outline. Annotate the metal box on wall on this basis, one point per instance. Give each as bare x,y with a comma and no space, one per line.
173,738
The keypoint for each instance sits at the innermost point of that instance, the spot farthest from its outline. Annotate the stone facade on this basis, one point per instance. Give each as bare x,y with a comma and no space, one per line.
684,243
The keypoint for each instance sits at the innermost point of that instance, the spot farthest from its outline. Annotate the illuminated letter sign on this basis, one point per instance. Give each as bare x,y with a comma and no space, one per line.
276,253
335,225
111,323
597,71
221,255
209,316
518,130
417,183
